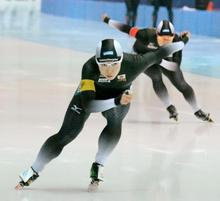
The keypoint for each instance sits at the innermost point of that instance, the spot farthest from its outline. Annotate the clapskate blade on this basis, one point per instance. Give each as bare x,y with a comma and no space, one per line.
93,186
209,119
175,117
22,184
19,187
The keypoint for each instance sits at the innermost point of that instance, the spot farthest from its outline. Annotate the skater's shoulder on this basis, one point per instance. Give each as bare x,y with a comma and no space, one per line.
90,68
146,33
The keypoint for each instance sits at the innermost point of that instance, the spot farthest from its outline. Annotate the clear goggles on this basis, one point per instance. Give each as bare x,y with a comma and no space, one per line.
109,62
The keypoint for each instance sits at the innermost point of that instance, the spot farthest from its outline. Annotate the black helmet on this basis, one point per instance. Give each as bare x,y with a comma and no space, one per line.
108,50
165,28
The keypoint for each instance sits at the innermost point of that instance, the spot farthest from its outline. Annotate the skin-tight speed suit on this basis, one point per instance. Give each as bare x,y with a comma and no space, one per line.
146,41
98,94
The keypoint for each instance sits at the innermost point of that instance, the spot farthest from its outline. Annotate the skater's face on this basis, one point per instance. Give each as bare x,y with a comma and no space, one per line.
163,40
109,69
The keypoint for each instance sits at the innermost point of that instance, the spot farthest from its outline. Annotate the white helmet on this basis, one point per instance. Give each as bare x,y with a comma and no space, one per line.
109,50
165,27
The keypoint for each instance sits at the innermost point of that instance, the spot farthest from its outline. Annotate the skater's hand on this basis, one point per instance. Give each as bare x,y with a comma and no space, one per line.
105,17
126,97
185,34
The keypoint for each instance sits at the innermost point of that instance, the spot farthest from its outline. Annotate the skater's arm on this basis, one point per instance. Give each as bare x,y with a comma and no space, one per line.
169,65
87,96
185,36
103,105
142,62
140,47
177,56
87,89
117,25
132,31
87,92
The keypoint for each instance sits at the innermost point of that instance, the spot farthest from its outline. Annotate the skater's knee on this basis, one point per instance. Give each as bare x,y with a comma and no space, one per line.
114,124
114,127
64,138
114,135
184,88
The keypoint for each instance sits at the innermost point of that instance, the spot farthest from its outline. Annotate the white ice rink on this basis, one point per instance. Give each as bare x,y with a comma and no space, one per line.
157,159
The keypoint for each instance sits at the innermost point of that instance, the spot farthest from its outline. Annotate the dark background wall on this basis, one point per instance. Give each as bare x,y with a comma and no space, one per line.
200,22
176,3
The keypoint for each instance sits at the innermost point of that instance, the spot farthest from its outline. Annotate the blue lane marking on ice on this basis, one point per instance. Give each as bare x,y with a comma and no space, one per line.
200,56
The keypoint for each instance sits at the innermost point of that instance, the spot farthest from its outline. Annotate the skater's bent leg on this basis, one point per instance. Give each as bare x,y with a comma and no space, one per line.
160,89
179,82
111,134
72,125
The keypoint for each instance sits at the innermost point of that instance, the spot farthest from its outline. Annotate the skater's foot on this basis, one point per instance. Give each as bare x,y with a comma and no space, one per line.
27,177
203,116
96,174
173,112
93,186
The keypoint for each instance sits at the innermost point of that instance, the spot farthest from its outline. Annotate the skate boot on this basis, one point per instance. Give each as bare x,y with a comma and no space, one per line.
27,177
203,116
173,113
96,174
